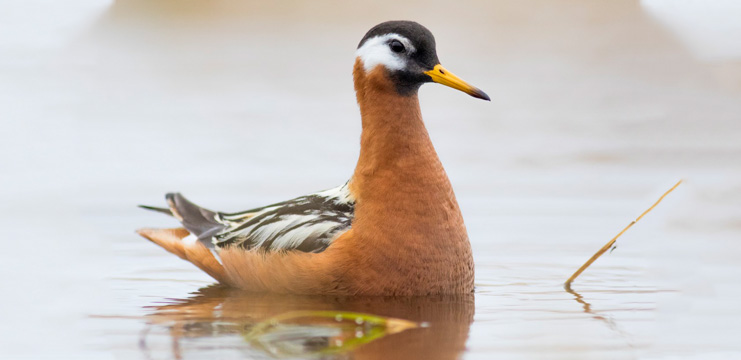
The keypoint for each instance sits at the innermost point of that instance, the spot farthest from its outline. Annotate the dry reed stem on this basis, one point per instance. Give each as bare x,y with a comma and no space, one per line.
610,243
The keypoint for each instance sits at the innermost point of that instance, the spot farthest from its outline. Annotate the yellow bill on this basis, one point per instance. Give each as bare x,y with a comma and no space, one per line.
441,75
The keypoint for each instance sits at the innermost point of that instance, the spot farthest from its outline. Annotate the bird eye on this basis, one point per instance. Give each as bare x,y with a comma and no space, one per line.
396,46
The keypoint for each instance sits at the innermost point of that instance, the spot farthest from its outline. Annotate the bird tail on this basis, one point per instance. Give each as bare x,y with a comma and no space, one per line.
192,242
194,252
201,222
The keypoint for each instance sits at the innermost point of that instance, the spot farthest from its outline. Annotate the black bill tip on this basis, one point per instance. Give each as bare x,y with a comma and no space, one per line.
480,95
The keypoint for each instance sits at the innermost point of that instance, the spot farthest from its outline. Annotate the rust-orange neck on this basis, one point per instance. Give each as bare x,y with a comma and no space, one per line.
399,182
394,135
407,228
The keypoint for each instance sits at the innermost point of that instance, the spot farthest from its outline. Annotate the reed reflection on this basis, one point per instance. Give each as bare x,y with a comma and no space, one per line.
588,309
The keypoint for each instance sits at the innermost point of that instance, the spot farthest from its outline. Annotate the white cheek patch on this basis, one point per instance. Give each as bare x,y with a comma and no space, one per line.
375,51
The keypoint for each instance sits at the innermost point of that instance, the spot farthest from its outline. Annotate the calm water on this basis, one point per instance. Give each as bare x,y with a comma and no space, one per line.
597,109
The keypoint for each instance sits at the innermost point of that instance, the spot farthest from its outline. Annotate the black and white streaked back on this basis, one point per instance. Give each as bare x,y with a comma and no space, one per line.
308,223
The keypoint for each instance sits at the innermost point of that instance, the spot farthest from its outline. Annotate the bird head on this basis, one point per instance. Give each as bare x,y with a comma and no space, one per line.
406,51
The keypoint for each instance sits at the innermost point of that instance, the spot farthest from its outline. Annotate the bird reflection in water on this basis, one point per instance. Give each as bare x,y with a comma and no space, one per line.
217,319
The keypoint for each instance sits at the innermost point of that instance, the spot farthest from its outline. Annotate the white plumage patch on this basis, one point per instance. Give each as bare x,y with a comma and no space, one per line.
190,240
375,51
340,194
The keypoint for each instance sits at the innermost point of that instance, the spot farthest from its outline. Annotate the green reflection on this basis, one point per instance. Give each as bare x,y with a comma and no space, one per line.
322,332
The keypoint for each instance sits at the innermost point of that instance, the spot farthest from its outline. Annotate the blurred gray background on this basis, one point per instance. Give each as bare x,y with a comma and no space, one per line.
597,108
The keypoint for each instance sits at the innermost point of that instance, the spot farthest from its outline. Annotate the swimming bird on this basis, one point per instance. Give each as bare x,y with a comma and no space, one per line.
395,228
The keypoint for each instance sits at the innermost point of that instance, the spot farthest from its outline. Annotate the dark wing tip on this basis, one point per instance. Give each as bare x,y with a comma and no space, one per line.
157,209
171,196
199,221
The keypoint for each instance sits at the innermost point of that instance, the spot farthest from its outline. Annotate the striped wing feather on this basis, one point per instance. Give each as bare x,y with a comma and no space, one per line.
308,223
